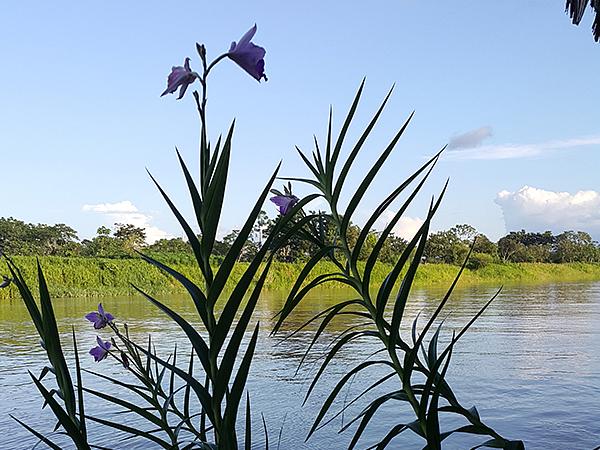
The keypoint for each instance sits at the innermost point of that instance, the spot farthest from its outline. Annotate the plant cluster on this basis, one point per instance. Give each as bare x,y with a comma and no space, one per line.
196,404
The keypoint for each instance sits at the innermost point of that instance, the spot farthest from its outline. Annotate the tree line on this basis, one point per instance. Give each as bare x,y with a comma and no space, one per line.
449,246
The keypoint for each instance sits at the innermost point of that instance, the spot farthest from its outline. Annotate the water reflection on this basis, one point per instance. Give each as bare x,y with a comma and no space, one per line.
531,363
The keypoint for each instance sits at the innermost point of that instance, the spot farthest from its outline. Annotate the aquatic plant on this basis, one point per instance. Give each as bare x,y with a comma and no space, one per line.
195,405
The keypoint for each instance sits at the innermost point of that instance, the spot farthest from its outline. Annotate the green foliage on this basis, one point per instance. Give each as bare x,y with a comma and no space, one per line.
131,237
20,238
479,260
445,247
576,10
102,277
174,246
573,246
67,407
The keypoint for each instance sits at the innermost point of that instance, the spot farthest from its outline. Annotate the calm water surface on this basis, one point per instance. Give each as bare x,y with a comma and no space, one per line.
531,364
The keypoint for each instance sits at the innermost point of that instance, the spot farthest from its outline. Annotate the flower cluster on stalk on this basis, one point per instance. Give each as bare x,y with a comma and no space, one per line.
244,53
100,319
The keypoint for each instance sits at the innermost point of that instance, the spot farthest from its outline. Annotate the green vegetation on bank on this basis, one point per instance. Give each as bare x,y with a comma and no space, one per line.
94,277
448,247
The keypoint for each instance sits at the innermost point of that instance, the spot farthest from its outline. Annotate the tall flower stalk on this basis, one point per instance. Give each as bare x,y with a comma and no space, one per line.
218,367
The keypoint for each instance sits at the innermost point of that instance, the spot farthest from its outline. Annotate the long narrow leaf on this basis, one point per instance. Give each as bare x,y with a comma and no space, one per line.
232,255
343,341
340,140
354,153
195,338
132,430
336,390
358,195
239,383
191,236
37,434
62,416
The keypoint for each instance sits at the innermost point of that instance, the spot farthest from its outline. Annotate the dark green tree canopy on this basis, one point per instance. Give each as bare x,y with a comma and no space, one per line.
576,10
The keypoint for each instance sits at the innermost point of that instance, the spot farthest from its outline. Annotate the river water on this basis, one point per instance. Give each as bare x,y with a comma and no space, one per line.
531,365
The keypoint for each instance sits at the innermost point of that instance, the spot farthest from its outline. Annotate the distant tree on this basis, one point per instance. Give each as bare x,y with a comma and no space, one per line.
15,236
220,249
574,246
249,248
20,238
103,231
445,247
175,245
132,237
260,227
510,249
392,249
485,246
367,247
464,232
522,246
59,239
479,260
576,9
104,245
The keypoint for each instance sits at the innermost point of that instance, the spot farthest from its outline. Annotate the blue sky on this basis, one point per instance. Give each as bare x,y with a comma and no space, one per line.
512,85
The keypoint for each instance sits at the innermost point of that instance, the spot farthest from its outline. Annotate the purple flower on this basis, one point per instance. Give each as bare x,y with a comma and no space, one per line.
249,56
285,202
180,76
100,352
100,318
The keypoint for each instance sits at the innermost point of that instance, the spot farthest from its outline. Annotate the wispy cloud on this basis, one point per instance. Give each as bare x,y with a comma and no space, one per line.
513,151
127,213
470,139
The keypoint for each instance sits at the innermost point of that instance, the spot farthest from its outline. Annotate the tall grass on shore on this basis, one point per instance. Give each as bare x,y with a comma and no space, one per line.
98,277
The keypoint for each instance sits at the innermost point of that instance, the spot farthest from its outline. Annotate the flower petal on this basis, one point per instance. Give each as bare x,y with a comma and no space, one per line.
285,202
93,316
180,77
246,38
249,56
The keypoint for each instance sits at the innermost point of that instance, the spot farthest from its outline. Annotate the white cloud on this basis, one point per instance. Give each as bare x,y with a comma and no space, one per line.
406,227
470,139
512,151
124,207
127,213
535,209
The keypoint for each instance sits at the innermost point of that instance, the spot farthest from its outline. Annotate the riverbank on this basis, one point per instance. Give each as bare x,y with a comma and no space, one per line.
95,277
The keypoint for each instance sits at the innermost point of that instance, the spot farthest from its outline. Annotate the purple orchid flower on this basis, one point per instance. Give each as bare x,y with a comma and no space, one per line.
100,319
249,56
101,351
285,202
180,76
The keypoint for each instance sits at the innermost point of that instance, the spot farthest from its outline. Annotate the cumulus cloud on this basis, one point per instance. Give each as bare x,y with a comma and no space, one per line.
512,151
470,139
536,209
406,227
127,213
